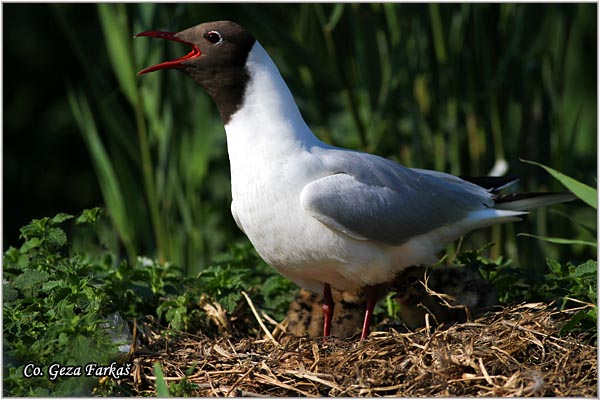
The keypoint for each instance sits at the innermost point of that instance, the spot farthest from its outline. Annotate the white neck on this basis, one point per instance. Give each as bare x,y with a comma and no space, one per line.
268,119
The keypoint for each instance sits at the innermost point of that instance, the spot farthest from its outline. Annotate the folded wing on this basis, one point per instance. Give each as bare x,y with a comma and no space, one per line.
371,198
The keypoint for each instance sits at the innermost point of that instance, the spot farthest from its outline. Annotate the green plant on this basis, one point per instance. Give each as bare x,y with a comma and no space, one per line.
573,282
183,388
229,273
219,284
273,292
61,299
54,311
585,193
513,283
568,285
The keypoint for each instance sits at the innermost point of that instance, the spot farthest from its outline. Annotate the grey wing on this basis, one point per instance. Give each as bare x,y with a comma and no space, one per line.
369,197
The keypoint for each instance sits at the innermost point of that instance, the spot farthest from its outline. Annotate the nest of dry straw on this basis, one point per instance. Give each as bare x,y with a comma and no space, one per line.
513,352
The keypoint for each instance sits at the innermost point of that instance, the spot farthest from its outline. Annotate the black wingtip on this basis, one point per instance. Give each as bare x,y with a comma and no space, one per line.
492,183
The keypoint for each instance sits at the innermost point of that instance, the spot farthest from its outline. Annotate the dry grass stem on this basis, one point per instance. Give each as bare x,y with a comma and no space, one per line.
258,318
514,352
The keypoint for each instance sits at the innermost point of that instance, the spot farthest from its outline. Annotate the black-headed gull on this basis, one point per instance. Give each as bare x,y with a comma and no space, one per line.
321,215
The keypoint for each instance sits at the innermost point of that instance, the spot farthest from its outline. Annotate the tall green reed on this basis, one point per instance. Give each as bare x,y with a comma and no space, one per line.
151,160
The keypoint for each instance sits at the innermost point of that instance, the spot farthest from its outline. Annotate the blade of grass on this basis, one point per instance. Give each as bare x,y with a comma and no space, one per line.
161,385
113,18
590,227
584,192
115,27
105,172
559,240
438,35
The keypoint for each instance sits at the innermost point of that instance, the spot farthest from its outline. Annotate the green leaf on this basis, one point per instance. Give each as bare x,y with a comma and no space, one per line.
9,294
590,267
571,323
48,286
89,216
61,217
56,237
584,192
23,261
35,228
30,244
175,316
588,225
161,386
593,314
555,266
30,281
113,18
85,349
335,16
559,240
11,255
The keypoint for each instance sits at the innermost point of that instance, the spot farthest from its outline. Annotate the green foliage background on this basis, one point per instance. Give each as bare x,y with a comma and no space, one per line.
453,87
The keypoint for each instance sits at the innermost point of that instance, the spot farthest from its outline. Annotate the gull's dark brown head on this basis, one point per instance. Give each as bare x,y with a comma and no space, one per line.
216,61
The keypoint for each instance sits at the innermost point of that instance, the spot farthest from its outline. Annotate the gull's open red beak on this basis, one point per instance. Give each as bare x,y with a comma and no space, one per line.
173,63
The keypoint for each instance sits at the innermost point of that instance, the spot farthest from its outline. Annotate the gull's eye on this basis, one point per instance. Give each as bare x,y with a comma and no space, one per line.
214,37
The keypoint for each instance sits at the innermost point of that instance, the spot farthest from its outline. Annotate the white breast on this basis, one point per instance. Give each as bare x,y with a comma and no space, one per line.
270,151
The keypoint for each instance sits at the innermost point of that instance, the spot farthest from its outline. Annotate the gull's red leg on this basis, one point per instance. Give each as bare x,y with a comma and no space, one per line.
371,301
327,310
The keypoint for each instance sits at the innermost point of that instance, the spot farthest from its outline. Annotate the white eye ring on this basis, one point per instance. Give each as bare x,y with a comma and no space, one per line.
214,37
